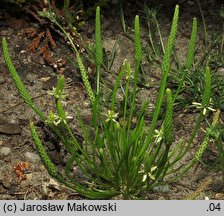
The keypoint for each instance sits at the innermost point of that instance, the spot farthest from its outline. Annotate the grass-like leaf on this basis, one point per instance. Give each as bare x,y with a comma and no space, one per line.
168,121
207,88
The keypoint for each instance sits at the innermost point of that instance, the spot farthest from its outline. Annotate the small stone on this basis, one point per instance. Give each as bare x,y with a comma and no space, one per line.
53,184
220,71
4,151
219,196
29,176
42,168
35,158
10,128
6,184
162,188
86,104
4,33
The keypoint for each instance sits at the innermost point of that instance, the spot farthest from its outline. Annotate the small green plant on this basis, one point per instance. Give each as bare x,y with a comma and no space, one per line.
117,158
187,80
216,130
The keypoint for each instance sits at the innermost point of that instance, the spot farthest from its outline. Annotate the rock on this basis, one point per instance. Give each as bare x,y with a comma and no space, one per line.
29,177
42,168
35,158
220,71
6,184
50,83
219,196
162,189
4,151
10,128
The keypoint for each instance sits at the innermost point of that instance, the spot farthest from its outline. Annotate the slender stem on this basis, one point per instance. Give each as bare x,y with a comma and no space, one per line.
122,17
204,25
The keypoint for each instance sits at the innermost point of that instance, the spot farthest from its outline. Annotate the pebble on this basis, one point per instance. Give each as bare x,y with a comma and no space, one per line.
10,128
220,71
42,168
4,151
35,158
6,184
4,33
162,189
219,196
29,176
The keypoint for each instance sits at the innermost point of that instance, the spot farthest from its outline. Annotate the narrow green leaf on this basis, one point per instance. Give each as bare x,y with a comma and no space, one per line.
168,121
207,88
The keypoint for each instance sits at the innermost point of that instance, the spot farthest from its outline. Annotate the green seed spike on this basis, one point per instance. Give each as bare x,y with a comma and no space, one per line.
192,45
165,69
190,56
43,154
172,36
85,78
138,47
21,88
59,87
17,80
99,49
201,149
60,110
207,88
168,121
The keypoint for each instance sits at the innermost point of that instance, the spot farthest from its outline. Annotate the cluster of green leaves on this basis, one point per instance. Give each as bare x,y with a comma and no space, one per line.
117,158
